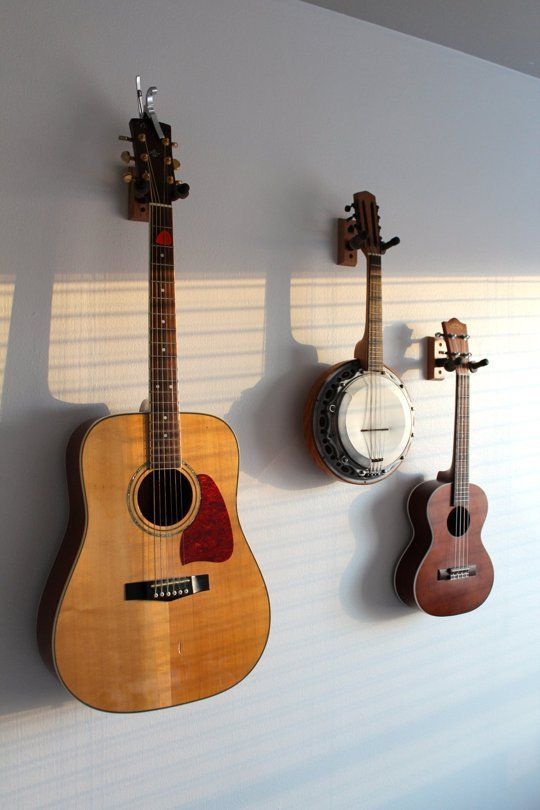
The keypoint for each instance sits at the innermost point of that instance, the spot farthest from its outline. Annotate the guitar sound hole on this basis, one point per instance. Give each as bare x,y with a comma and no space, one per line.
165,497
459,520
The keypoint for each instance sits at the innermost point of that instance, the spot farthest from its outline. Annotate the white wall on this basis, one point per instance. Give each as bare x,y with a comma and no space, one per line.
282,110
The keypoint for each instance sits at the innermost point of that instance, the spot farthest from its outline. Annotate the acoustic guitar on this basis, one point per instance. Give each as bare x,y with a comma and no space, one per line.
358,420
155,598
445,570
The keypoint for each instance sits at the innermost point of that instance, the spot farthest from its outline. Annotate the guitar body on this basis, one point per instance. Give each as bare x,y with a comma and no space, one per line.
435,548
133,654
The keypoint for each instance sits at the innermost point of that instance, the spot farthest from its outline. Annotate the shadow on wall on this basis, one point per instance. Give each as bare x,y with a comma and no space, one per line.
35,426
367,587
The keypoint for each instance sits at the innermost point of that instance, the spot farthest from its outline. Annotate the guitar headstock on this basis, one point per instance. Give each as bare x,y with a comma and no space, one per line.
366,223
154,172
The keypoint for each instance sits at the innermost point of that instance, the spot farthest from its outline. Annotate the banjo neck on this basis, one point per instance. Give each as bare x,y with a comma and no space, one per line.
367,238
373,339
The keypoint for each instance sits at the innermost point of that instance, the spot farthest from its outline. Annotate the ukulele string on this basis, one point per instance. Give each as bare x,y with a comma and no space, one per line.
467,428
462,471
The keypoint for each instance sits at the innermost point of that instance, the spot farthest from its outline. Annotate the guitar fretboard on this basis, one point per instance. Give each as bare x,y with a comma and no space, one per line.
164,434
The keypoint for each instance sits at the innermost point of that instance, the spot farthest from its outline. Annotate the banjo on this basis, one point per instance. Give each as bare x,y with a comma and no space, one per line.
358,419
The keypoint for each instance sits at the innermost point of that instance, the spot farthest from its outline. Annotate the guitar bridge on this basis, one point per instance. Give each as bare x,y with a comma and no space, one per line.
458,572
167,590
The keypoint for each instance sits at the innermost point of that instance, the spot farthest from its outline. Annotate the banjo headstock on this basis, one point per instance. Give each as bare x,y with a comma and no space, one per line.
366,223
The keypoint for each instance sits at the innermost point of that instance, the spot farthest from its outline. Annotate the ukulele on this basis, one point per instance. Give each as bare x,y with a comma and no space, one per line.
358,419
155,598
446,570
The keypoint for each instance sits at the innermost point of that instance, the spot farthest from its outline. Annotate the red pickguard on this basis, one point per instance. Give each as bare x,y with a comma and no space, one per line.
164,238
210,536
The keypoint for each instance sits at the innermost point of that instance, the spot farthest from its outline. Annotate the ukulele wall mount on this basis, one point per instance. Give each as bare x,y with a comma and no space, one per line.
440,361
137,187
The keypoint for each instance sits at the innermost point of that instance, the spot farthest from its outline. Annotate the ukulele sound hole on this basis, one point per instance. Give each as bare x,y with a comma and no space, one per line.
165,497
459,520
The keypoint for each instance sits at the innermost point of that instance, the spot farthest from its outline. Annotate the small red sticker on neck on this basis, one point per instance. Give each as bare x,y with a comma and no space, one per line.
164,238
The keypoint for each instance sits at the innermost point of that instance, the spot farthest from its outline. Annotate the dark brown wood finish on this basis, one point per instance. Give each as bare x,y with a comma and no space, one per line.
164,437
434,547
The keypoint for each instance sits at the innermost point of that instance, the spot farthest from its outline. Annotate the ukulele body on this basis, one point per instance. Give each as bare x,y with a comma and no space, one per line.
132,654
422,575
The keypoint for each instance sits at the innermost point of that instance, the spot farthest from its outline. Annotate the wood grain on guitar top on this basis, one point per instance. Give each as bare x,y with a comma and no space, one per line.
433,548
124,656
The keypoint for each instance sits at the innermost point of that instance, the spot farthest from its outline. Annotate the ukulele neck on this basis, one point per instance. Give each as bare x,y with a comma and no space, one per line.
373,334
164,439
460,464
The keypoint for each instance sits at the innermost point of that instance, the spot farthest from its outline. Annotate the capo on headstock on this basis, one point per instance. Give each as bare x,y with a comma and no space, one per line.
154,165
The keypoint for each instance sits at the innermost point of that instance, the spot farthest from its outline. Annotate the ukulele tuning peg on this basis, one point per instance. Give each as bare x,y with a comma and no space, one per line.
390,244
473,367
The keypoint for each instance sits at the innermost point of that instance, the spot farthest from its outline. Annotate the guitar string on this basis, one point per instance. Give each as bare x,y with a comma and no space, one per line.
153,397
165,431
157,375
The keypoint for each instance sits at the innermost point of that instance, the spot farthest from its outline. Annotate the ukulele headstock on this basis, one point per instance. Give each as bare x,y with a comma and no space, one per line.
365,225
456,339
153,175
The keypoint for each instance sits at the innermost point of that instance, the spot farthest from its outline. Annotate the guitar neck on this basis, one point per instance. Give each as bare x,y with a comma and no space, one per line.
460,463
164,434
373,333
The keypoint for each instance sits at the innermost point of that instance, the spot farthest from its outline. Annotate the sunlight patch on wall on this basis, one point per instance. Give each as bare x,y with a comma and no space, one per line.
7,289
99,340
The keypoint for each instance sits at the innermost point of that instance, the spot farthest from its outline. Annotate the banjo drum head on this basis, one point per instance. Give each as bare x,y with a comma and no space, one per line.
365,423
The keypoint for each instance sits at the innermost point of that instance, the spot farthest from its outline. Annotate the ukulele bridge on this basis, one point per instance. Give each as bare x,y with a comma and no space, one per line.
459,572
167,590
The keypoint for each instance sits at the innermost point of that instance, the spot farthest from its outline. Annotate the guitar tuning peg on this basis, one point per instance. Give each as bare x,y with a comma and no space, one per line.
176,163
127,176
349,207
125,138
391,243
126,157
